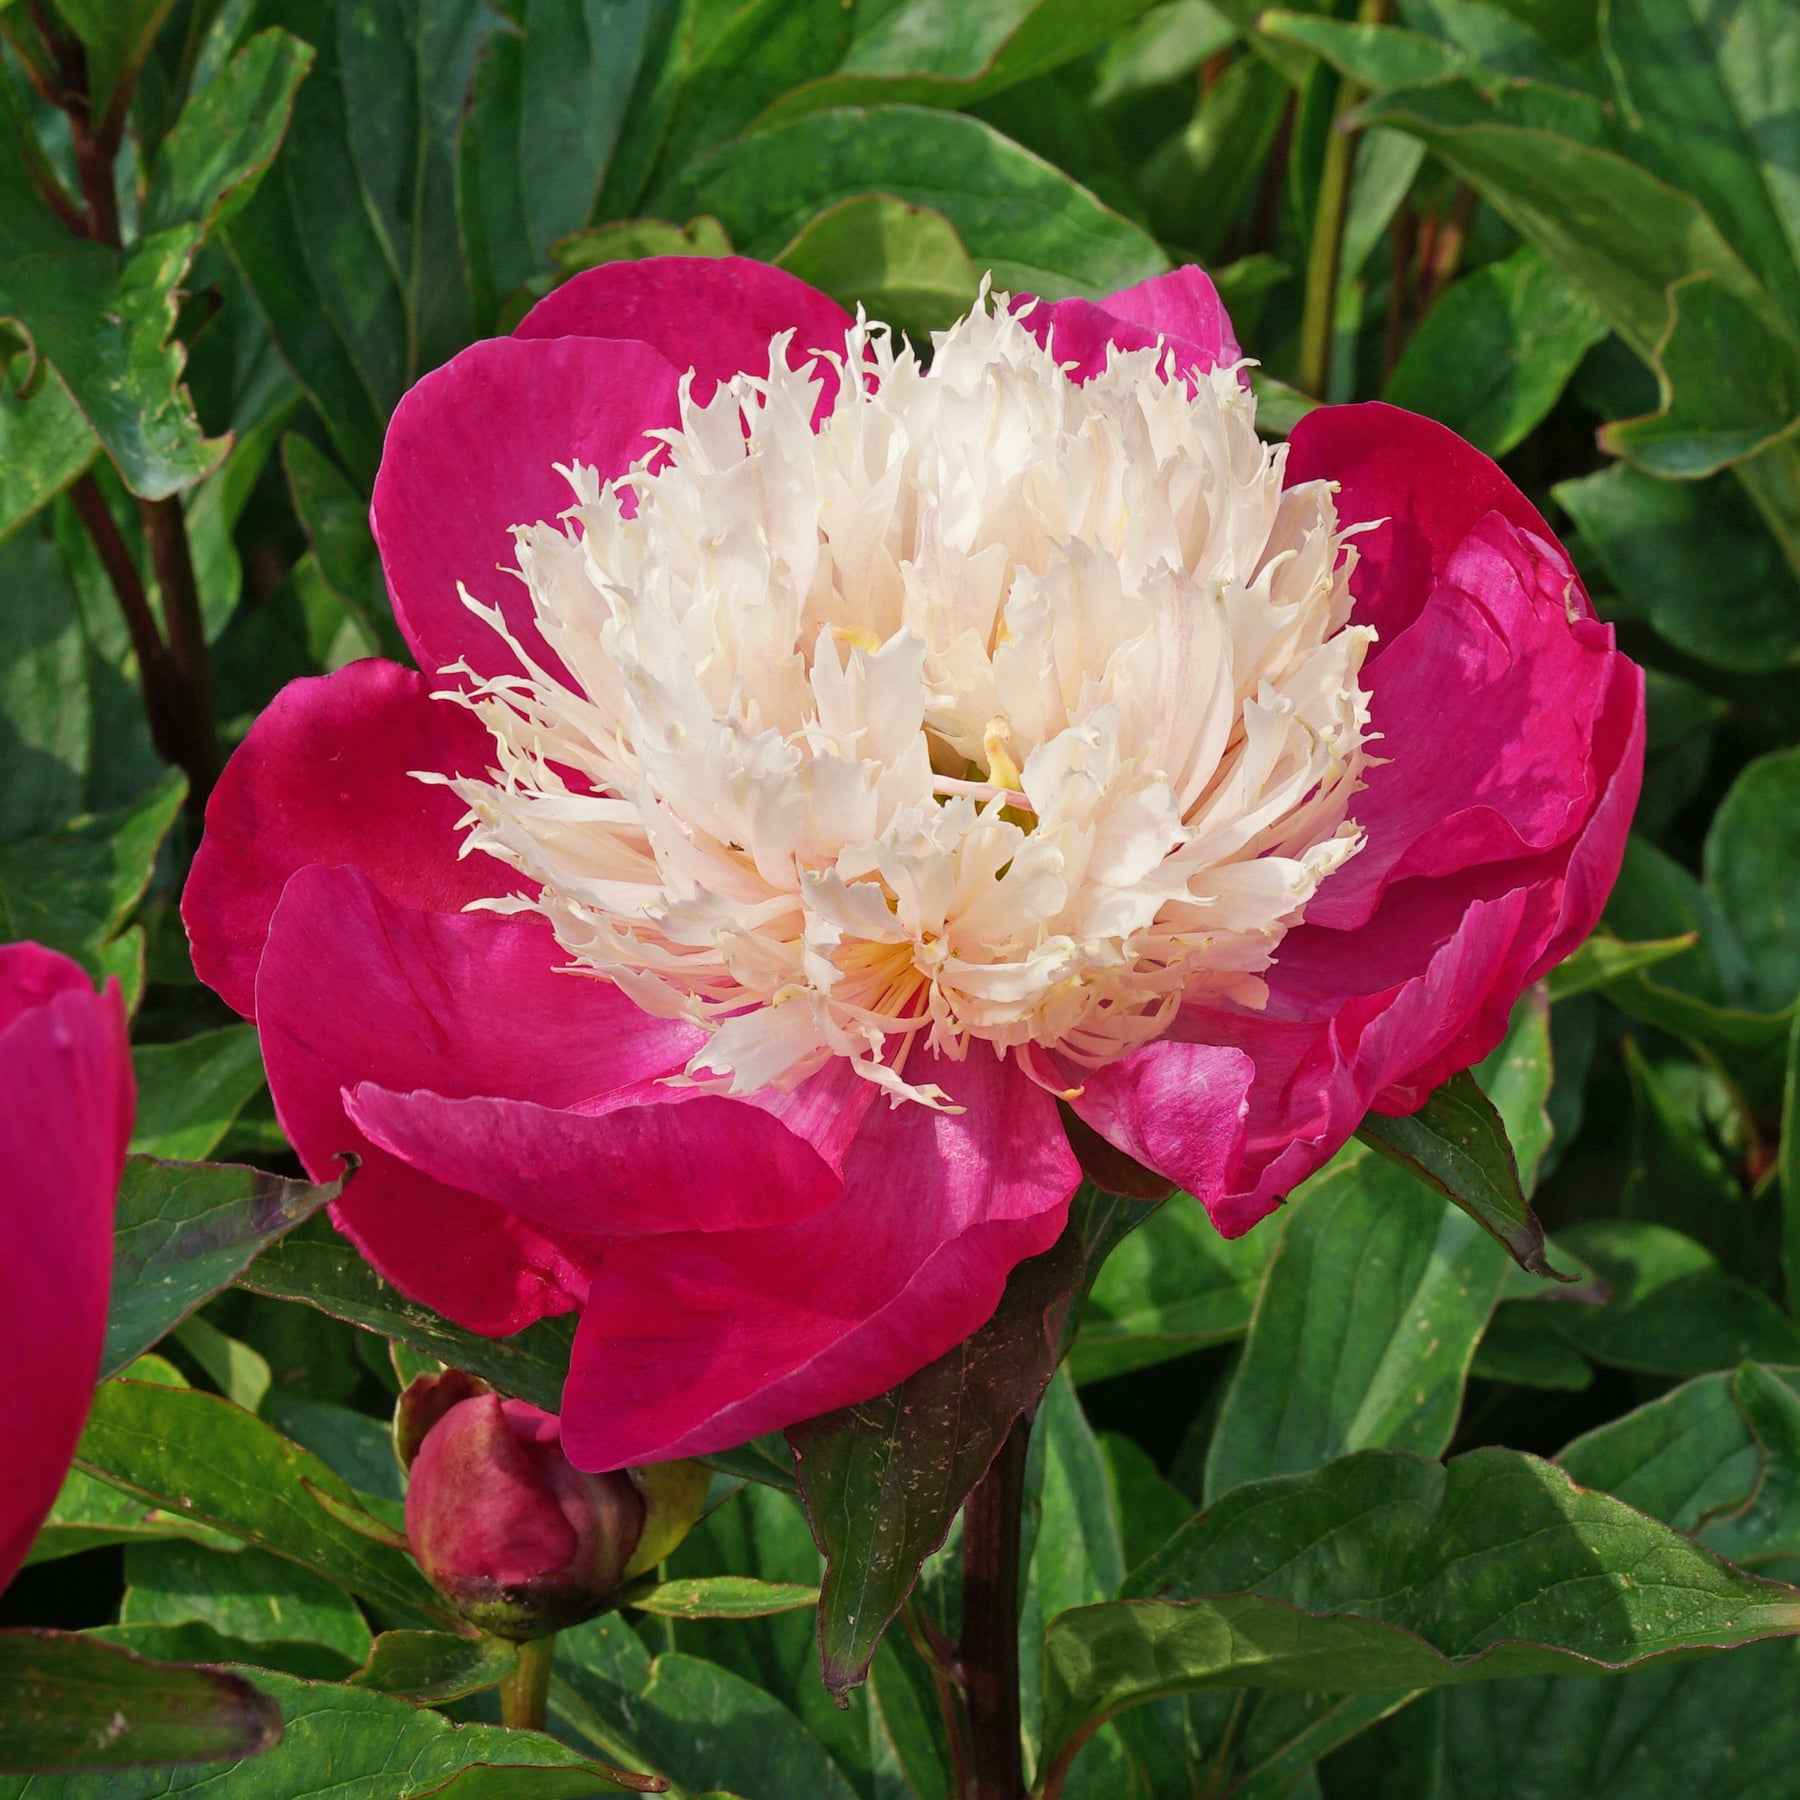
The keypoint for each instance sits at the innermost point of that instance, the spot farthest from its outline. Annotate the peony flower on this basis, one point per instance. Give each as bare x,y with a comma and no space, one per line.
66,1102
828,767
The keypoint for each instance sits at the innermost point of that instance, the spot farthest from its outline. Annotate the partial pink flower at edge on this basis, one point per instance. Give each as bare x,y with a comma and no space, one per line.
66,1104
450,1051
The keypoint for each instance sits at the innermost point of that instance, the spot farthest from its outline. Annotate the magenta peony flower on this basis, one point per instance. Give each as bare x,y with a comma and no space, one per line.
828,766
66,1102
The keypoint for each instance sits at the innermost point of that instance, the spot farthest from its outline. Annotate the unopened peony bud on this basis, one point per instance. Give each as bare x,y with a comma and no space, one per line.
509,1531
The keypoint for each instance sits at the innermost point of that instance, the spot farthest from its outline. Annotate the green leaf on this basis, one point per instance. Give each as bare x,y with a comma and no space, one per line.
1603,958
237,1371
358,1745
104,319
627,239
1606,224
1520,1349
1695,561
117,36
182,1232
1788,1163
697,1723
189,1092
208,166
1028,223
89,1513
882,1481
322,1268
1373,56
1368,1318
1753,872
209,1460
1167,43
720,1597
904,264
249,1596
1729,386
357,1447
1711,87
74,1704
431,1667
46,712
1149,1510
1173,1286
45,442
1457,1144
74,889
191,1641
550,106
350,243
1673,1311
1495,353
1387,1571
336,519
954,52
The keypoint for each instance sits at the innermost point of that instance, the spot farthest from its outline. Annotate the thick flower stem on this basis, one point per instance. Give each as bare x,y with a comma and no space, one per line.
990,1625
525,1693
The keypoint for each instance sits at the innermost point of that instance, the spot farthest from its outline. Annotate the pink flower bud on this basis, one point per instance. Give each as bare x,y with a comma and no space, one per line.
508,1530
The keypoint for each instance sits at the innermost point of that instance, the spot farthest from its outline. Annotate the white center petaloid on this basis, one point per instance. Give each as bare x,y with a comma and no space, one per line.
999,707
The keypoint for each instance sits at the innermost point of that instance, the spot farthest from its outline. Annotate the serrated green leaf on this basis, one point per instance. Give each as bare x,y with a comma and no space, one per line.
201,1456
1385,1570
72,1703
208,166
1034,228
182,1232
322,1268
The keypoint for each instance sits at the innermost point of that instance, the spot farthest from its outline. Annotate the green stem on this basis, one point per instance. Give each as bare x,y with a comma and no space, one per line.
1318,324
525,1693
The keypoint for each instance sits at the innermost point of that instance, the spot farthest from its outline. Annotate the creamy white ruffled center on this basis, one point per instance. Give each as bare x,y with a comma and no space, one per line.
1000,708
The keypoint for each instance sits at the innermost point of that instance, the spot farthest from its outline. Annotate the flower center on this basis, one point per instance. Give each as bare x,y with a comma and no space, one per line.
997,708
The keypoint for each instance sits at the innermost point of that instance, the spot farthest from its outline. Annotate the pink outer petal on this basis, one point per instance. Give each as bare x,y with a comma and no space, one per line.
326,776
356,988
1431,488
1182,310
473,450
1177,1108
666,1159
692,1343
714,315
66,1100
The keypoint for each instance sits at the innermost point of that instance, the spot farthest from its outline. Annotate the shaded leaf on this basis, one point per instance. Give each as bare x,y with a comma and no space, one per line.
45,442
318,1266
74,889
206,1459
1386,1571
336,520
1603,958
1753,872
46,710
182,1232
430,1667
882,1481
189,1092
72,1703
1494,354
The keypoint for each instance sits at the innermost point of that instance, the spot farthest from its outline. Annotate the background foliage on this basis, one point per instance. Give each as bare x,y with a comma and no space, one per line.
1569,230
